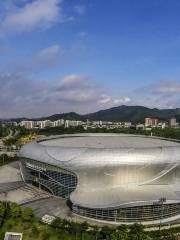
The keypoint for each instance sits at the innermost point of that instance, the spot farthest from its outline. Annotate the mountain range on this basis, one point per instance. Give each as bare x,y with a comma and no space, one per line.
135,114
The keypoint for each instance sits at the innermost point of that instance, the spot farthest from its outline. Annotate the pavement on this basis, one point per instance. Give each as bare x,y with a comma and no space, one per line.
9,186
52,206
13,189
23,194
57,207
10,173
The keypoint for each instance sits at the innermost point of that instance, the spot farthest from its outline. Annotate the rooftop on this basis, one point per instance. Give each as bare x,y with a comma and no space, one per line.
107,141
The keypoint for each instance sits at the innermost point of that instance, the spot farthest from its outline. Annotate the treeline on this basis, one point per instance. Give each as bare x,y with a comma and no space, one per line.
83,231
15,218
17,133
80,129
173,133
59,130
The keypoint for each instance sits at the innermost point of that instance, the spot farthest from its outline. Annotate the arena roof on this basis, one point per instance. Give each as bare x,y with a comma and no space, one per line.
107,141
112,169
95,150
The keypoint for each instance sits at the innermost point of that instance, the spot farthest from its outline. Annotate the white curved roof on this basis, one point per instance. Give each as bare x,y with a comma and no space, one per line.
113,169
88,150
107,141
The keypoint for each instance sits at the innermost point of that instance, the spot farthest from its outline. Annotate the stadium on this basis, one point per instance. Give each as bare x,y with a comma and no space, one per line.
113,178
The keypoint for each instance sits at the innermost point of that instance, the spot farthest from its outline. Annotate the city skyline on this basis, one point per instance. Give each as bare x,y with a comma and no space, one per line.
83,56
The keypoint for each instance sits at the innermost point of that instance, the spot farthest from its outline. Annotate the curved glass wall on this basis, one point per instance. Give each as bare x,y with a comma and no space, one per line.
130,214
57,181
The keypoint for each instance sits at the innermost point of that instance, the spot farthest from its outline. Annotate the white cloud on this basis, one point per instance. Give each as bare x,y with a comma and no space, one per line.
45,59
77,88
48,57
166,87
49,51
72,93
161,87
160,94
72,81
37,14
109,101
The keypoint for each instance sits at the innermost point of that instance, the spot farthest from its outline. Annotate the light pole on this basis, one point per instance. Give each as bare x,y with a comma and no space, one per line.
161,202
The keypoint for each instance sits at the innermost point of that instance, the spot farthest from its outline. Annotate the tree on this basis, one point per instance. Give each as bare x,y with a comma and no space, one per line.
139,236
15,210
118,235
106,232
83,228
2,212
34,231
167,234
10,141
136,232
95,231
121,233
57,223
45,235
74,229
27,214
136,228
65,224
123,228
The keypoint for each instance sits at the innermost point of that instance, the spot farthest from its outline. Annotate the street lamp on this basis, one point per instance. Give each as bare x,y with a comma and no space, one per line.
161,202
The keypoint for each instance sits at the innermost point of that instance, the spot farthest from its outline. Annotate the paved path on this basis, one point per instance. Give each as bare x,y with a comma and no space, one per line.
10,173
52,206
9,186
23,194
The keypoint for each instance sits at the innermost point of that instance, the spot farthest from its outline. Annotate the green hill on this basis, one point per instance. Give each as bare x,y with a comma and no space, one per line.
134,114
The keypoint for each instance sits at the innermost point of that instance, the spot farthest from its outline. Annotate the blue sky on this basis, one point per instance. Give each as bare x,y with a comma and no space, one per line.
85,55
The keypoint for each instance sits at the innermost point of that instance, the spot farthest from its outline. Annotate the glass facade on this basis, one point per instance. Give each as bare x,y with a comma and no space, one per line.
130,214
61,182
56,180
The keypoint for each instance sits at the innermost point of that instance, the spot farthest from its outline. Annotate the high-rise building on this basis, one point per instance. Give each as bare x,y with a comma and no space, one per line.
147,122
27,124
151,122
154,121
58,123
71,123
172,122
